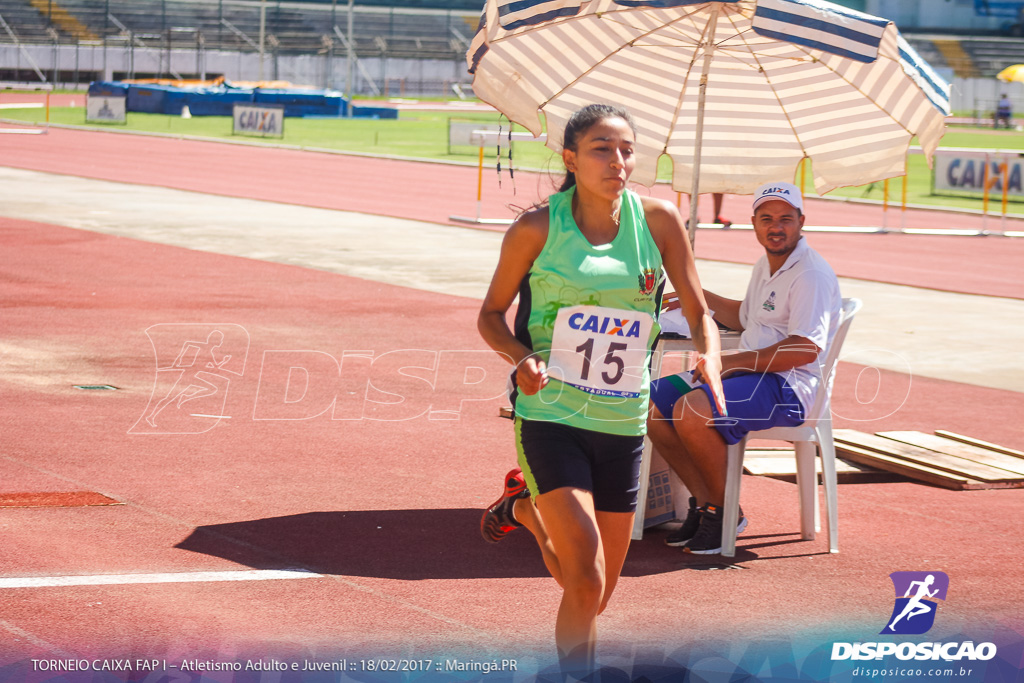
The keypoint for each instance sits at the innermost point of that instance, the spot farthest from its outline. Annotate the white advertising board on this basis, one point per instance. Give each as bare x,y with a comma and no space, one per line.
963,172
462,132
103,109
258,120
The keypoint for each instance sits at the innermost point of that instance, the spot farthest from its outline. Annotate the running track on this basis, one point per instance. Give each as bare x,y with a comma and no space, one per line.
372,506
433,192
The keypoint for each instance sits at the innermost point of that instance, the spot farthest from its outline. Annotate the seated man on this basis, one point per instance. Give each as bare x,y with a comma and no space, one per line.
788,317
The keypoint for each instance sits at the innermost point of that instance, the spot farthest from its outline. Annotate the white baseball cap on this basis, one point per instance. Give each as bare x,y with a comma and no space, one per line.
787,192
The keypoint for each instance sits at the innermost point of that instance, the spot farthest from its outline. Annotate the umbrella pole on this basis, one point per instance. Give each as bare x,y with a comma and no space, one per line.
698,143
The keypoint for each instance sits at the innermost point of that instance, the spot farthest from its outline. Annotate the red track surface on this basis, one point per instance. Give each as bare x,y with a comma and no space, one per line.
434,192
386,510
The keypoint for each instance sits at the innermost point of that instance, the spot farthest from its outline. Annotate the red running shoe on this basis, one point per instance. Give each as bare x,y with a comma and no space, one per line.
498,519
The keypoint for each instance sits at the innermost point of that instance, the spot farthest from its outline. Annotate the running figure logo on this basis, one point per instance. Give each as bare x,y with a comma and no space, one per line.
194,365
916,595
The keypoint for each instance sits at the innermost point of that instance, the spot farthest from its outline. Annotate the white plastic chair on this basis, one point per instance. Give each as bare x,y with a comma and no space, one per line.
814,435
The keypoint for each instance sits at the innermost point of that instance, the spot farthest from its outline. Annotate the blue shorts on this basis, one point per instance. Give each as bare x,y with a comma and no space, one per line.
754,401
554,455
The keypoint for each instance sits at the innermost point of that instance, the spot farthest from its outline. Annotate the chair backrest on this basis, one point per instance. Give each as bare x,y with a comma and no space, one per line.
828,365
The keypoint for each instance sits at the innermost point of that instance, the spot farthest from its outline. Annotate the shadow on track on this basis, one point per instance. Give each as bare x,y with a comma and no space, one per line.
408,545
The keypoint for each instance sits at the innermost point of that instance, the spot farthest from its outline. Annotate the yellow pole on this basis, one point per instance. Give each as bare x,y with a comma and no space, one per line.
885,204
1006,178
984,187
984,195
1006,189
479,181
903,205
803,176
47,106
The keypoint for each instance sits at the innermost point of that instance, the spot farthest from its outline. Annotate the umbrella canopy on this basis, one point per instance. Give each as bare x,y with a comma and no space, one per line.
785,80
1012,74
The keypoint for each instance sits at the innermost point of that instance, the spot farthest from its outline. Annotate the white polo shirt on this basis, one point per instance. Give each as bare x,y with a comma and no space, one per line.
802,299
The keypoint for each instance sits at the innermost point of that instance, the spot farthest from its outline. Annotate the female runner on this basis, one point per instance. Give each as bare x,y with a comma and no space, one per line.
587,268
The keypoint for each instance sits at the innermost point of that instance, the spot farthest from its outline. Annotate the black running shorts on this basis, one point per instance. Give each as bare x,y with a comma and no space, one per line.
553,455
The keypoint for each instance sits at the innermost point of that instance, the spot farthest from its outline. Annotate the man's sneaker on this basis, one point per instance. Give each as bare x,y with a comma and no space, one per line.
684,533
724,222
498,519
708,539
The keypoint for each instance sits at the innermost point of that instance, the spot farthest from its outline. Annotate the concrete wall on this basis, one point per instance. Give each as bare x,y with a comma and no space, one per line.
981,95
396,76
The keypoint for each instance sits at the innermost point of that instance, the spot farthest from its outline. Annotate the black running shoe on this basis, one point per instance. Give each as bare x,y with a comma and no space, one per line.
684,533
498,519
708,539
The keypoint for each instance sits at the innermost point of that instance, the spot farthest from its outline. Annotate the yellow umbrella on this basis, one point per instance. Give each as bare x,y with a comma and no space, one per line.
1012,74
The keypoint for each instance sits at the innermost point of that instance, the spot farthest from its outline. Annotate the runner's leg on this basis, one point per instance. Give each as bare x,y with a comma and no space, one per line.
616,530
571,525
526,514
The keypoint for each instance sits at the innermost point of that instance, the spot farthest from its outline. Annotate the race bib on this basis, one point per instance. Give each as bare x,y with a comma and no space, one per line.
600,350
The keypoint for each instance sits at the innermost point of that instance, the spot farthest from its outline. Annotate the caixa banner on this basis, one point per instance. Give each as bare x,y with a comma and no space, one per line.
258,120
964,172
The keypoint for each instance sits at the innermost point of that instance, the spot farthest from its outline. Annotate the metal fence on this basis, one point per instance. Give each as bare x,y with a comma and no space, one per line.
376,49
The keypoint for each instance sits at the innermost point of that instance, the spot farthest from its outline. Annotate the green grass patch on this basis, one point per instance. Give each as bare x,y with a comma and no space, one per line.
419,134
424,134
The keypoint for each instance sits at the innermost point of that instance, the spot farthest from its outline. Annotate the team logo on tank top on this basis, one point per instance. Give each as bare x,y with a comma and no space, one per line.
648,280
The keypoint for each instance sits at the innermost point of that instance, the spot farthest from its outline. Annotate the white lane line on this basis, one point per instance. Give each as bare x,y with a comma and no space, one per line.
34,640
179,577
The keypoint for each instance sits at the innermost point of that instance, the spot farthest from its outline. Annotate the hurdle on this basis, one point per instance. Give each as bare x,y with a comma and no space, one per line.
481,138
47,87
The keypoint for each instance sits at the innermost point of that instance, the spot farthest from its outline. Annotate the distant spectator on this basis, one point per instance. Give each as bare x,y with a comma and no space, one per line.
718,197
1004,111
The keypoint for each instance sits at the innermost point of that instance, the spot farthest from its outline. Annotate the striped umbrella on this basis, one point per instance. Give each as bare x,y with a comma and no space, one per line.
736,93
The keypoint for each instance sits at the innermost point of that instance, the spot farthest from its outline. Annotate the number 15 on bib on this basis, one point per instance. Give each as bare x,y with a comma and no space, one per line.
600,350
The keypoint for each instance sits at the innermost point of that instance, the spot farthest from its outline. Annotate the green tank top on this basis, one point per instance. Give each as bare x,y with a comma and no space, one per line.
599,305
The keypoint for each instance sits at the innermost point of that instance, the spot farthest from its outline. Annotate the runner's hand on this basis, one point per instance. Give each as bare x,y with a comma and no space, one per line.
708,370
532,375
670,302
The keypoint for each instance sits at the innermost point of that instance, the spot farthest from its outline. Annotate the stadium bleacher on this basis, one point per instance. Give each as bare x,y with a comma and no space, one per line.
992,54
969,56
395,29
24,21
383,30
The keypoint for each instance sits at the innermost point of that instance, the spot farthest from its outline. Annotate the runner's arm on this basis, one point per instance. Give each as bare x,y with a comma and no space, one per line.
727,311
791,352
522,244
669,233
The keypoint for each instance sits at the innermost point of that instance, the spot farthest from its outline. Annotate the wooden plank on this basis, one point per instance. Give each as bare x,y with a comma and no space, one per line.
777,463
767,467
769,452
979,443
764,462
907,469
923,456
787,466
960,450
